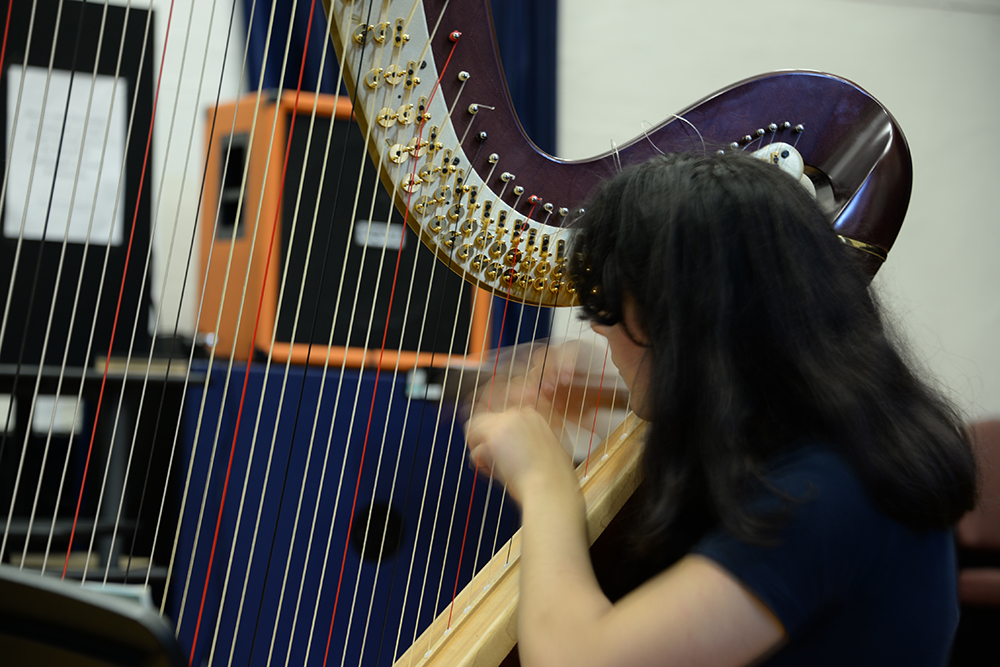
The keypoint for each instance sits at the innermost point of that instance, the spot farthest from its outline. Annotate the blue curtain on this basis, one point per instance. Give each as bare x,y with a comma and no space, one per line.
298,25
526,36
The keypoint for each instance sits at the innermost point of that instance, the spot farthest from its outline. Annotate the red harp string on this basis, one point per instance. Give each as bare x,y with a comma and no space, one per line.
258,496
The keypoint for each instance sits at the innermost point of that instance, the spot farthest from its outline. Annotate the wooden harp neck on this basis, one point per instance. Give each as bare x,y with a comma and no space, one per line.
480,628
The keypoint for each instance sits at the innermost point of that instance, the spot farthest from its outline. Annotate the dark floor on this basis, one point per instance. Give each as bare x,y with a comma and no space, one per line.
977,642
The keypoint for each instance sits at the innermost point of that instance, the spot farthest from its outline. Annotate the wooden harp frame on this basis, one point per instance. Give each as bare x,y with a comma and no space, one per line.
428,91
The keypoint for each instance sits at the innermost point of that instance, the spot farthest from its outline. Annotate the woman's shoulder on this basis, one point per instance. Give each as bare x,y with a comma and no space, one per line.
809,458
836,555
810,475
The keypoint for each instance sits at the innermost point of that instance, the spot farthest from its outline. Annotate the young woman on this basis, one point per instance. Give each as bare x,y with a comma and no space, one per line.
807,476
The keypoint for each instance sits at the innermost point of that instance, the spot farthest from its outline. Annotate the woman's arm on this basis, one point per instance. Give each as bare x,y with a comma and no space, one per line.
695,613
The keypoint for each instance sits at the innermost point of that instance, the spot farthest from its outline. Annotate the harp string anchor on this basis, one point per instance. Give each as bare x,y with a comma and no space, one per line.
474,108
400,37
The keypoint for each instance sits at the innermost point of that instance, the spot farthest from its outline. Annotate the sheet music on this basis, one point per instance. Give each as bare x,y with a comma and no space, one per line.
93,183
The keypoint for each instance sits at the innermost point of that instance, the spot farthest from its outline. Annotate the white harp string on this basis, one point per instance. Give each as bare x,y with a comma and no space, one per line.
75,302
384,469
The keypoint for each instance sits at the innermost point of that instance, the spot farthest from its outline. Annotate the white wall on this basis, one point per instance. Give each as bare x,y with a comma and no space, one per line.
623,65
934,63
193,57
193,66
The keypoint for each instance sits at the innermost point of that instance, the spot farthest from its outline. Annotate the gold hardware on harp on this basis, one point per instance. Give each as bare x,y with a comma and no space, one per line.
464,188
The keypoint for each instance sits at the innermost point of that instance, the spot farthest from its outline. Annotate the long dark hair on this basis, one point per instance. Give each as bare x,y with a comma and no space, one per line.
761,333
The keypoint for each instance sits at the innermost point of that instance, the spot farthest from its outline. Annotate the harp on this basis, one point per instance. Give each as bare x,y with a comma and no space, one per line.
283,578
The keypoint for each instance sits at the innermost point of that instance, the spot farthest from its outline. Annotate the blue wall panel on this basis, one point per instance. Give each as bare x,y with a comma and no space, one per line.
404,478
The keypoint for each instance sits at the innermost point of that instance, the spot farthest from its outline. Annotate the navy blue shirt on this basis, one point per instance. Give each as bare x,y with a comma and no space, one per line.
849,584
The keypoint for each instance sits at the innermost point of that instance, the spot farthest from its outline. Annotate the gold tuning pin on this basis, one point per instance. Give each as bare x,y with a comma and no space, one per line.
386,117
411,182
406,114
374,78
380,31
360,34
394,74
497,249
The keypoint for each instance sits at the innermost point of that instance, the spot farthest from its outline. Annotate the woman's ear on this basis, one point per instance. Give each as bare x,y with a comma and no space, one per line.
632,321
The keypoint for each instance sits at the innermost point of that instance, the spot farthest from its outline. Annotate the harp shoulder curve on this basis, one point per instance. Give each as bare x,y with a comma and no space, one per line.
430,95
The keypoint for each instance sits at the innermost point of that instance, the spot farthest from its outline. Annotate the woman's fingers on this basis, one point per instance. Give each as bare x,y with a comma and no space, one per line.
553,368
514,444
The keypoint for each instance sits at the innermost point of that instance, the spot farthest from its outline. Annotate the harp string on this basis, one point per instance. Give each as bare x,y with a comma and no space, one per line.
510,375
392,486
6,177
282,497
63,366
531,349
455,503
490,485
315,424
489,399
246,376
156,322
413,461
322,481
6,31
343,466
510,372
38,263
144,404
294,428
322,387
593,427
451,109
184,285
62,370
61,260
475,295
298,311
423,587
34,283
228,373
375,388
211,358
121,292
145,384
267,371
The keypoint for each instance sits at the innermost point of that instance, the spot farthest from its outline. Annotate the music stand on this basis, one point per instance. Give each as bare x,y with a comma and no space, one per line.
47,621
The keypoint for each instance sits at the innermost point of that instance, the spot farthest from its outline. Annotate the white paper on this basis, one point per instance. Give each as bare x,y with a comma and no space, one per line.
93,183
8,413
380,235
59,413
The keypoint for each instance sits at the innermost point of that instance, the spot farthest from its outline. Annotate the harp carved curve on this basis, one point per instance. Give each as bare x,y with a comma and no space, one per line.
430,95
440,126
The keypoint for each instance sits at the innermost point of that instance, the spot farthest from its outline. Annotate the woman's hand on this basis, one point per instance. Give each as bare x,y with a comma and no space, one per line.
529,376
519,448
563,383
